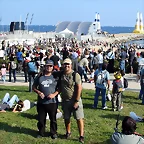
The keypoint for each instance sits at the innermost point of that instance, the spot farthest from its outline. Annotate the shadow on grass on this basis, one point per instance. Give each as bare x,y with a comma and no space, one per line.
28,115
112,116
137,103
87,106
14,129
87,98
130,97
11,89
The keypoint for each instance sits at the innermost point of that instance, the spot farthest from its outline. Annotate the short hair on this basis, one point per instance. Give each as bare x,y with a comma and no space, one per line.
128,125
104,65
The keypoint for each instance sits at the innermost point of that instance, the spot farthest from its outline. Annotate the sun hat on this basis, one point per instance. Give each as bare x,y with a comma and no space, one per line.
67,60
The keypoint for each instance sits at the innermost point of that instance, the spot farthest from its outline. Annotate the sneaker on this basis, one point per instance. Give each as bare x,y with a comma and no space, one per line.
54,136
67,135
104,107
81,139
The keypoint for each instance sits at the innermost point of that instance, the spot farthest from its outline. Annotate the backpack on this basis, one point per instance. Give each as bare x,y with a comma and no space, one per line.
101,78
32,68
117,86
13,65
125,83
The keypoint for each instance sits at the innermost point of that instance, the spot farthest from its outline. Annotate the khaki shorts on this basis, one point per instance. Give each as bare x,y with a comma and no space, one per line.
67,107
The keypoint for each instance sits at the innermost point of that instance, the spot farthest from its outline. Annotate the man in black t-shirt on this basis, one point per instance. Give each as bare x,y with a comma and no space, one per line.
45,86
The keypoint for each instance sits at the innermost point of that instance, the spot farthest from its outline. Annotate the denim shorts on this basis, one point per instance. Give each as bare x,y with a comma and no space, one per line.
67,107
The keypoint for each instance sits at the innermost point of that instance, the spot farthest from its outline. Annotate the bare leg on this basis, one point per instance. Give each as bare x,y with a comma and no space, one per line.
80,124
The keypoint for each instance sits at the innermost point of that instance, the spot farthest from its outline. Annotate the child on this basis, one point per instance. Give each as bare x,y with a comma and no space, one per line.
116,92
3,72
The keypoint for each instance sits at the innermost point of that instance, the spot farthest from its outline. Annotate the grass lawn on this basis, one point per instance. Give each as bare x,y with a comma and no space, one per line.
21,128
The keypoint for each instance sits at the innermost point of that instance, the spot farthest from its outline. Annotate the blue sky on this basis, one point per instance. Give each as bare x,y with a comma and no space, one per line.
50,12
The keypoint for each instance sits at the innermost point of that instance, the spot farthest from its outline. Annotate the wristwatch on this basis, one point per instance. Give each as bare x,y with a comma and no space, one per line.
76,100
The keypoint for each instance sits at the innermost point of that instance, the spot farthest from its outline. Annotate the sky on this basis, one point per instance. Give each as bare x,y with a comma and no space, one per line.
51,12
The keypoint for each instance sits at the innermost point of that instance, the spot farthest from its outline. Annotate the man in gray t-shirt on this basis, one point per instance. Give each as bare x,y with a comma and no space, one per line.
45,86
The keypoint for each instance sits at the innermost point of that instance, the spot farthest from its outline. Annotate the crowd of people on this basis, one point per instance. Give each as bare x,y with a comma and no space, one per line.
54,68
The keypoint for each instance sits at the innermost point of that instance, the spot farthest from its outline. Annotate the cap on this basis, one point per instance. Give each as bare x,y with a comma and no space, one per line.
49,62
67,60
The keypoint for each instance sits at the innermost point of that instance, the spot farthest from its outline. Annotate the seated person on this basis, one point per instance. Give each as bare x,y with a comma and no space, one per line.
128,134
8,102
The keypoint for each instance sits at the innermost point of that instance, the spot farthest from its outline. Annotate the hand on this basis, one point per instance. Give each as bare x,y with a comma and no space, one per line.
76,105
42,95
51,96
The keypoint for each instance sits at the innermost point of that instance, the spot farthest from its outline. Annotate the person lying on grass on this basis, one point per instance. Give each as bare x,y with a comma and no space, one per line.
7,102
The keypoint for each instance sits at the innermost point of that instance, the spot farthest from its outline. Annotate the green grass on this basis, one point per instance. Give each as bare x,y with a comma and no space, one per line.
21,128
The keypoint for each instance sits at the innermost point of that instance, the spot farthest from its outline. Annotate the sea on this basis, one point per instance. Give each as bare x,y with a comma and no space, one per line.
51,28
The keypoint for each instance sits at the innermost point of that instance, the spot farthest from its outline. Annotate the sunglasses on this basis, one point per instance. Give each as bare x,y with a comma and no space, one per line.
49,65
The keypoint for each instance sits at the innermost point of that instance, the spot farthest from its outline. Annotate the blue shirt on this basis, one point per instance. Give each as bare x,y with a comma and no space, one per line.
19,56
105,78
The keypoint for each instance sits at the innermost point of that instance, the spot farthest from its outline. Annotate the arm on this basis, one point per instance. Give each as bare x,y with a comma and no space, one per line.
53,95
14,110
88,69
108,80
8,66
34,87
78,92
38,92
77,96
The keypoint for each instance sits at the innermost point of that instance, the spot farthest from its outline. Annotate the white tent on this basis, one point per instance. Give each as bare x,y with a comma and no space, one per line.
66,31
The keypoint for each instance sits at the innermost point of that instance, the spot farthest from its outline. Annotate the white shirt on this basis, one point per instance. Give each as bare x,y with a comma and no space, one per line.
27,105
100,58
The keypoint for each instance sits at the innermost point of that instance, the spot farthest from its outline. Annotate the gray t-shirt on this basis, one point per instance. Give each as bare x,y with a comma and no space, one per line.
119,138
47,85
4,106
